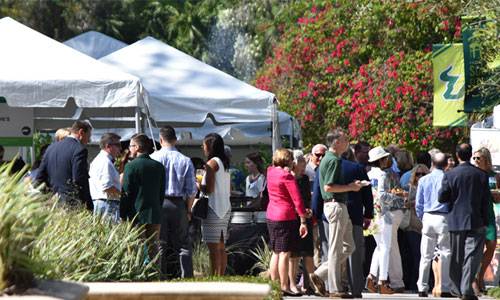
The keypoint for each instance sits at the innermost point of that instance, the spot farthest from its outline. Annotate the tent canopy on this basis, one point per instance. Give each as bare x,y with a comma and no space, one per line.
95,44
184,89
37,71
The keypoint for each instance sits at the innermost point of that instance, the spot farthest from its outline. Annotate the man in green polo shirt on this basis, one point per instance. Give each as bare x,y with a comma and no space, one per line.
334,192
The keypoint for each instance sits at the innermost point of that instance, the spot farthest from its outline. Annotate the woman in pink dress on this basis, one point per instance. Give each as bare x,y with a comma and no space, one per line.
285,203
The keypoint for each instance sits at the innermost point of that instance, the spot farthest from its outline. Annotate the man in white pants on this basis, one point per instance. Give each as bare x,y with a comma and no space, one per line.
435,227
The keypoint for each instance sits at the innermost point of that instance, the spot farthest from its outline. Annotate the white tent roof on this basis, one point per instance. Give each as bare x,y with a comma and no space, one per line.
184,89
37,71
95,44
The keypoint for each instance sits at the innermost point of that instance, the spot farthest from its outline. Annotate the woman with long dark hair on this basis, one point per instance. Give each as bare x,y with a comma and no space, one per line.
217,185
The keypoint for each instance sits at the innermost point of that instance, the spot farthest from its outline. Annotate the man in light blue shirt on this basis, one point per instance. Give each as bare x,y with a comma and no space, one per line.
179,195
435,228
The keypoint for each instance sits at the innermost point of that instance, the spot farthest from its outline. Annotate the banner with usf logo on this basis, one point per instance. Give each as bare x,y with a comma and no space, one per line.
449,85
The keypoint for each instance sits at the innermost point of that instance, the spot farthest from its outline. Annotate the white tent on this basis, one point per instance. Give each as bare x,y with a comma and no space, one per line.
233,134
37,71
183,89
95,44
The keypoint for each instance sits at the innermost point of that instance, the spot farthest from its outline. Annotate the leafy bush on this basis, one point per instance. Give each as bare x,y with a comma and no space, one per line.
319,66
76,245
263,256
201,259
494,292
22,218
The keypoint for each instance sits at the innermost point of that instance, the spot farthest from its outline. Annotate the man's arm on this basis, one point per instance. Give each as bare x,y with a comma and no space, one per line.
80,172
332,175
445,191
42,175
419,202
127,210
317,199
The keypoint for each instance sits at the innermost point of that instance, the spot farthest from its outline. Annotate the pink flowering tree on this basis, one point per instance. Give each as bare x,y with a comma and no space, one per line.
365,67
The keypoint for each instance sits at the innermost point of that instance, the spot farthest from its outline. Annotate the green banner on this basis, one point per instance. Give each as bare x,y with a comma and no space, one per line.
16,141
449,85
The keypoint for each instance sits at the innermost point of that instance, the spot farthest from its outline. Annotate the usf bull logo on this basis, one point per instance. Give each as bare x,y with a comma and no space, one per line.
451,85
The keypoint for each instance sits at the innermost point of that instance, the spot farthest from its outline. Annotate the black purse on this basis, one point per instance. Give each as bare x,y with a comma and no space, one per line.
200,207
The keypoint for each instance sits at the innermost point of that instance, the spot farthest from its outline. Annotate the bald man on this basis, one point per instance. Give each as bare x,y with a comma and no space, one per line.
435,227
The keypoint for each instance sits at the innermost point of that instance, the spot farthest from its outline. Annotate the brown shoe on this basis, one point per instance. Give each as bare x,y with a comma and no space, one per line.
317,284
371,286
385,289
400,290
341,295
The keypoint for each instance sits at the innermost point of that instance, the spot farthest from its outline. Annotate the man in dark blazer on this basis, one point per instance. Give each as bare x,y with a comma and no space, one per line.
360,207
143,192
466,190
64,167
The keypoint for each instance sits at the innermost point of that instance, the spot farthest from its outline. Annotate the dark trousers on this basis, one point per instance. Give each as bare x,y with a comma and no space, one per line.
466,254
176,259
356,260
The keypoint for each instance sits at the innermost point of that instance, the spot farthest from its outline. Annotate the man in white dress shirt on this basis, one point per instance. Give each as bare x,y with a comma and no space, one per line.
104,178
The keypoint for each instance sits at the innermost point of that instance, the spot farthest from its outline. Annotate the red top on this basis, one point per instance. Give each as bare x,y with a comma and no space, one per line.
285,201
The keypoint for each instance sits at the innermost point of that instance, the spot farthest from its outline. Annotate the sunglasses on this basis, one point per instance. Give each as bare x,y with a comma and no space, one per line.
477,158
319,154
420,174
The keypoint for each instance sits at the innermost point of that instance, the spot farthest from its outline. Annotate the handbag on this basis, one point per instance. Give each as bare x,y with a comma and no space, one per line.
200,207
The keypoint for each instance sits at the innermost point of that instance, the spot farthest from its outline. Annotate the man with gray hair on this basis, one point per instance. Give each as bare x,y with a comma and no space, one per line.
317,153
104,180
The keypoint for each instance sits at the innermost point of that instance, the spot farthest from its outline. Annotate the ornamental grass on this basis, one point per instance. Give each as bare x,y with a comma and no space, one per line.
39,239
22,218
76,245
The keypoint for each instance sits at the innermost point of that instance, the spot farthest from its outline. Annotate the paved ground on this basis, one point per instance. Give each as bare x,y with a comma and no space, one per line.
378,296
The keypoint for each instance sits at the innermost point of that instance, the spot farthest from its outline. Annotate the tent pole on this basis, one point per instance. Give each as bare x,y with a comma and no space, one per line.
138,120
275,126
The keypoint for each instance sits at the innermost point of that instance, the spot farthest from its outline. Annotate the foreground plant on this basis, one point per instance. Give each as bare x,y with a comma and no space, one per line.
22,218
76,245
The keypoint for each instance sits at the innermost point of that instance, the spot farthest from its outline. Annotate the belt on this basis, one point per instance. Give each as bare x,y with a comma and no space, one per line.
329,200
108,200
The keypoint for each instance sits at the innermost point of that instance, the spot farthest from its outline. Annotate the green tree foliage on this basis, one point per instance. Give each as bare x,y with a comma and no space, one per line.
365,67
182,24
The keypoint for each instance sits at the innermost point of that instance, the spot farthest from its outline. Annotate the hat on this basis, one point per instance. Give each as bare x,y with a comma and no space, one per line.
377,153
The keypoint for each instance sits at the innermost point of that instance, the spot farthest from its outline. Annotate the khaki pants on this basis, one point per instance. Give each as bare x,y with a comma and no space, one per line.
340,246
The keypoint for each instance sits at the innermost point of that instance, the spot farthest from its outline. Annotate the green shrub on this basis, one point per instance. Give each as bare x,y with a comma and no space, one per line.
76,245
494,292
201,259
22,218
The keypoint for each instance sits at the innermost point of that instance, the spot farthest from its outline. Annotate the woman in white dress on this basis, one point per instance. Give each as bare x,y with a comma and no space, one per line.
217,185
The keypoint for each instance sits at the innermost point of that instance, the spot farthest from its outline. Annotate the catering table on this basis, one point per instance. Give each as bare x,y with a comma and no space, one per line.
247,231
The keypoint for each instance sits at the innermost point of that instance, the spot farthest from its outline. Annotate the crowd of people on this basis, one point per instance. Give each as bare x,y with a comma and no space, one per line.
435,212
441,210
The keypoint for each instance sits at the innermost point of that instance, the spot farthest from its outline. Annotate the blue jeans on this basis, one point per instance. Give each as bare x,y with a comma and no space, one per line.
107,208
